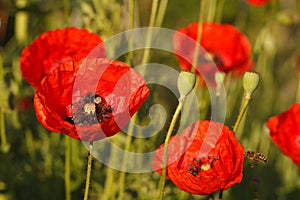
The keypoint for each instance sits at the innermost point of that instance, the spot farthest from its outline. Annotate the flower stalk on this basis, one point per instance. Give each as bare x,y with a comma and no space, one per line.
169,133
4,145
88,172
67,168
199,34
146,54
250,83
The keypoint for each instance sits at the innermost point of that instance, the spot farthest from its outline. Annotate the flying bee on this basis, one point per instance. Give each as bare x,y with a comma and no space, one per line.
255,157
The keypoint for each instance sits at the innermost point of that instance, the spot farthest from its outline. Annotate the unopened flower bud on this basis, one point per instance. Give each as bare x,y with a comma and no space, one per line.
250,83
185,83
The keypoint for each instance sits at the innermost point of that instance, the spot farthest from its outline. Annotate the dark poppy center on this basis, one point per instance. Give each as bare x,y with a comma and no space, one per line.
204,164
89,110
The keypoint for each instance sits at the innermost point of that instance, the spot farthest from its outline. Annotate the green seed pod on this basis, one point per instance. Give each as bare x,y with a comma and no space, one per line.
185,83
250,83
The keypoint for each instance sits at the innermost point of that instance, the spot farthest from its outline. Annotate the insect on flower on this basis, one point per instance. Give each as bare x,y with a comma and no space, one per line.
255,157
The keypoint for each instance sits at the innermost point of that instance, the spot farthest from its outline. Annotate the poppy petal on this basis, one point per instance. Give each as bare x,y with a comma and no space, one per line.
197,173
121,89
53,48
285,132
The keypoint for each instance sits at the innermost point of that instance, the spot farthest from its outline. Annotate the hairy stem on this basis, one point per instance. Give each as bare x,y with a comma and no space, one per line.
88,172
165,155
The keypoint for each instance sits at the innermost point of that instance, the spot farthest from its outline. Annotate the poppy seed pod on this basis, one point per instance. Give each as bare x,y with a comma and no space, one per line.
250,83
185,83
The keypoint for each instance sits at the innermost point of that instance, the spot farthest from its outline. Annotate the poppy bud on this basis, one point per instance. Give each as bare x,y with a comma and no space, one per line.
250,83
185,83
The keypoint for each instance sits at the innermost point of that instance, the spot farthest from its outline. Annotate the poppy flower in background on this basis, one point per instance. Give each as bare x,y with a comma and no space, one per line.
55,47
258,2
197,173
82,111
223,46
285,132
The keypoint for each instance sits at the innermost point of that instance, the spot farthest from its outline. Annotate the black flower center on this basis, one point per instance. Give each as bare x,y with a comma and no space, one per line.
204,164
89,110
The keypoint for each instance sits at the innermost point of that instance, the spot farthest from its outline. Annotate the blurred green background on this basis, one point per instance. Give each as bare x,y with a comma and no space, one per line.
33,160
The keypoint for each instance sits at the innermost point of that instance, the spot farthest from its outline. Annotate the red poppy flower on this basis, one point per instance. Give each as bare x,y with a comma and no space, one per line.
223,46
204,158
51,49
285,132
89,99
258,2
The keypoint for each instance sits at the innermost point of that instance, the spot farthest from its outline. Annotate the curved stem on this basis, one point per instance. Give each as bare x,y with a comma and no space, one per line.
241,114
88,172
67,168
165,155
199,34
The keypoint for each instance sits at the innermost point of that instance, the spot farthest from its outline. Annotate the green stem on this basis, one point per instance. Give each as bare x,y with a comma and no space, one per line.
212,10
297,6
241,114
88,172
134,117
125,158
219,12
298,89
68,168
165,155
67,10
199,34
129,57
150,32
161,12
4,145
109,182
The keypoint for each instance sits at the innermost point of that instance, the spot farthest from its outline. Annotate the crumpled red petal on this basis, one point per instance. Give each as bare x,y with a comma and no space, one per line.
52,48
230,49
285,132
122,88
227,157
